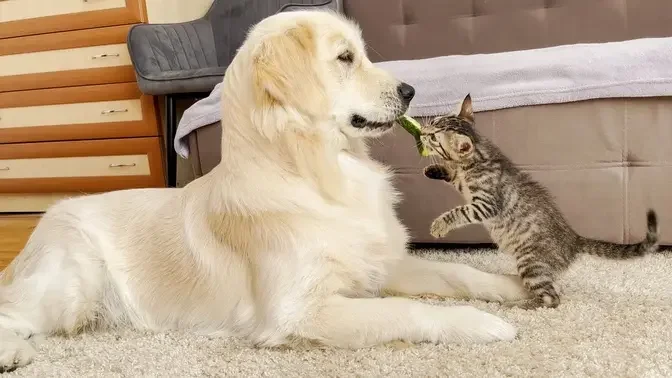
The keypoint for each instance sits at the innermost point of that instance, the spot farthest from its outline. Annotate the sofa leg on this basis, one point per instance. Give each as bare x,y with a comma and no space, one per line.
171,129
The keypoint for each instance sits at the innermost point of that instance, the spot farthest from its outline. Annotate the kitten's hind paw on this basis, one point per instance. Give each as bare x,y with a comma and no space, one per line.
436,172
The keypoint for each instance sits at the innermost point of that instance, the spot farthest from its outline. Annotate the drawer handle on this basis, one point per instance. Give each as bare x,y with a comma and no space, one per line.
100,56
122,165
4,168
114,111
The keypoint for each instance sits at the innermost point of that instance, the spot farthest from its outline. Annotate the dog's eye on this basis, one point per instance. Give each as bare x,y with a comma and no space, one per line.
346,57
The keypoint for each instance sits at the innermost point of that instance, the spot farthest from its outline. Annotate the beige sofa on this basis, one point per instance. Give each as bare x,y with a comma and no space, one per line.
604,160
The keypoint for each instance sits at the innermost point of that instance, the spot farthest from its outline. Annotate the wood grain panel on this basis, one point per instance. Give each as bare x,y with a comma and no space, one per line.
147,126
108,75
133,12
66,40
14,233
58,96
108,147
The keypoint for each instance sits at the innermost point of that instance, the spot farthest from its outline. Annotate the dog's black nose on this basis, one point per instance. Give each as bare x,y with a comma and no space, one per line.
406,92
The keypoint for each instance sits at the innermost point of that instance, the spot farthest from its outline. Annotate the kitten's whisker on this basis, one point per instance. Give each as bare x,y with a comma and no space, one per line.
378,142
443,152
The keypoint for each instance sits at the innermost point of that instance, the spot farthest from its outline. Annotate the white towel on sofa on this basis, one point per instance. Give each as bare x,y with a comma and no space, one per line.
634,68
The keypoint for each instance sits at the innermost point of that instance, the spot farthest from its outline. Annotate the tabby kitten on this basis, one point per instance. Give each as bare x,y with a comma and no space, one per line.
519,213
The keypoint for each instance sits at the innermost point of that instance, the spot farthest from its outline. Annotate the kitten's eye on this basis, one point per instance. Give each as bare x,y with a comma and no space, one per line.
432,138
346,57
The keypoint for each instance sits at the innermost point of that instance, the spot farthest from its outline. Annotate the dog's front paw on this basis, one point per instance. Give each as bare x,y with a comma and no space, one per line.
439,228
465,324
436,172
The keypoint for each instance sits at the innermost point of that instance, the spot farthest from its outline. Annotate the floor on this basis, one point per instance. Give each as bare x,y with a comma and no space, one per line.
615,321
14,232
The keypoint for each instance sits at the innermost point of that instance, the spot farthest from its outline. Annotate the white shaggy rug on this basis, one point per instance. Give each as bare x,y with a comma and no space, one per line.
615,321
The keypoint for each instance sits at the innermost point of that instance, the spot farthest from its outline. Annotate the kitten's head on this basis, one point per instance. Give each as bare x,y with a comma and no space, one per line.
452,137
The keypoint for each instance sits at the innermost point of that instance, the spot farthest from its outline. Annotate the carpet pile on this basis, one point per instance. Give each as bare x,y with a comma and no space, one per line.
615,321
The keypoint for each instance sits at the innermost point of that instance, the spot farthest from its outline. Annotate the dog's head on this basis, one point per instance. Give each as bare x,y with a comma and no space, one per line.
311,68
299,91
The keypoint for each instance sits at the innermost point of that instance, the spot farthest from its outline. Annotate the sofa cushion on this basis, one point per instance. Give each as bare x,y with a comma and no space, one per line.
412,29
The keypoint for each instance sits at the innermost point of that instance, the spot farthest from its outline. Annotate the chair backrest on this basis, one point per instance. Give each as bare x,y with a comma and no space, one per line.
231,20
192,56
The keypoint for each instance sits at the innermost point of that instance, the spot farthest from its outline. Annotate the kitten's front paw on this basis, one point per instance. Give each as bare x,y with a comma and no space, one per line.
439,228
436,172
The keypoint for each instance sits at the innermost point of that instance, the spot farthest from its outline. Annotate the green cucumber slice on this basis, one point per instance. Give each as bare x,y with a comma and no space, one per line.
414,128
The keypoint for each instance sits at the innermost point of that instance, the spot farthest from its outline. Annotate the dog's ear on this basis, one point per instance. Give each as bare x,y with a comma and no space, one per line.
290,102
285,73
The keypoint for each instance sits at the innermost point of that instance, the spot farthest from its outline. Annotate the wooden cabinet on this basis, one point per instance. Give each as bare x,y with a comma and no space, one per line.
72,119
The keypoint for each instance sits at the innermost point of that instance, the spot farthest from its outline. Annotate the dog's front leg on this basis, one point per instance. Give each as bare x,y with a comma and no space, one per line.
362,322
416,276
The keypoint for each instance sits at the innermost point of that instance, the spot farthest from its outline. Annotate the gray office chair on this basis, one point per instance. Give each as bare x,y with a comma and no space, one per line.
188,59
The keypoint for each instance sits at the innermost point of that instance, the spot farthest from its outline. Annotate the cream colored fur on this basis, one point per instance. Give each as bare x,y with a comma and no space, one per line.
293,237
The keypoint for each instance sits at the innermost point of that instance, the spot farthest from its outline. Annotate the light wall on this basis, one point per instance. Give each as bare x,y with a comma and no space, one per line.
170,11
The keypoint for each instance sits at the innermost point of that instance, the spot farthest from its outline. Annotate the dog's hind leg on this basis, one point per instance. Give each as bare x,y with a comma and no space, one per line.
16,348
49,288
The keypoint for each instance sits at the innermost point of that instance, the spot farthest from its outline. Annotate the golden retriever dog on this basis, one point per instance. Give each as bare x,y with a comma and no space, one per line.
292,238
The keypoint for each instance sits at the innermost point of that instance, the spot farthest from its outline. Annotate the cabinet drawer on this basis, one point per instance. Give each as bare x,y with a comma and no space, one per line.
29,17
82,57
82,166
74,113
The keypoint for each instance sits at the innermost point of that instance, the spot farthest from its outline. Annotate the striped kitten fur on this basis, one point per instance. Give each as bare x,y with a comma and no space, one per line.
519,213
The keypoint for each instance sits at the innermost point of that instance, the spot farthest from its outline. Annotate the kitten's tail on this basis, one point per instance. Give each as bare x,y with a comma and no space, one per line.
626,251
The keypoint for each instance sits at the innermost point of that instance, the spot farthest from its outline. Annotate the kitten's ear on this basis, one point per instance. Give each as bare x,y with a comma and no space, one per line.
466,111
463,145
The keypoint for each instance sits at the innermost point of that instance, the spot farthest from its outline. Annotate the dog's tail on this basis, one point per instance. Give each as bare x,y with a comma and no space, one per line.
625,251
